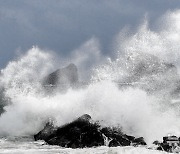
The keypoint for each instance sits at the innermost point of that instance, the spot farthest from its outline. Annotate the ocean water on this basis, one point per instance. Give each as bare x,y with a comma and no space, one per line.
26,145
137,90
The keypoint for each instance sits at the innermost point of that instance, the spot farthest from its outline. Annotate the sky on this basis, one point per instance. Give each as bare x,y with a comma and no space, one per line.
64,25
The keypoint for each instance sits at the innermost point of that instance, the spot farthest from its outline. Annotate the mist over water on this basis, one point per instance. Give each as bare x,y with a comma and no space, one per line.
138,90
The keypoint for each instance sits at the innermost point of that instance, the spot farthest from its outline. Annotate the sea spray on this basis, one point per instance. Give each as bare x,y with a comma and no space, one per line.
134,91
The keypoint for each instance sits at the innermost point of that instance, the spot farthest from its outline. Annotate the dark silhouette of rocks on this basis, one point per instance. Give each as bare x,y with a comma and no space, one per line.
118,138
44,134
169,144
139,141
77,134
82,132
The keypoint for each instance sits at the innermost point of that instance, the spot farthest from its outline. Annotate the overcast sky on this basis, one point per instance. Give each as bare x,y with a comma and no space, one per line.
64,25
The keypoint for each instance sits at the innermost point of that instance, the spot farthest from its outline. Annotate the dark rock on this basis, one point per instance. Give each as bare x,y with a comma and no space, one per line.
62,79
131,138
67,75
139,141
156,142
77,134
44,134
114,143
117,136
82,132
170,143
164,147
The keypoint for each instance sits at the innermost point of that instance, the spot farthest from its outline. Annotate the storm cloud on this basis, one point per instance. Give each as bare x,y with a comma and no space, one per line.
63,26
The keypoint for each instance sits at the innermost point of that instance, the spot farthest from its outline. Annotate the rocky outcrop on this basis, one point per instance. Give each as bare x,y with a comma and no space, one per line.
47,131
117,138
82,132
79,133
62,79
66,75
169,144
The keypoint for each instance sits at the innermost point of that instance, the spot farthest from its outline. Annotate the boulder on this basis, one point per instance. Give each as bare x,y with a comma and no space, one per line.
77,134
116,136
66,75
44,134
114,143
62,79
139,141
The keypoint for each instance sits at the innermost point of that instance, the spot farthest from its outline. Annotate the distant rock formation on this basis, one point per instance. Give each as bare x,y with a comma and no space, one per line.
66,75
82,132
62,79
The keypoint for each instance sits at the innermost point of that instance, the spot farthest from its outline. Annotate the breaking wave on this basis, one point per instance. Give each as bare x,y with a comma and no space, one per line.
138,90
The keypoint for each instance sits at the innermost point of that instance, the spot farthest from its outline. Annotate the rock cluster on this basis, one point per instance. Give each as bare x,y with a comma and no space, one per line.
169,144
82,132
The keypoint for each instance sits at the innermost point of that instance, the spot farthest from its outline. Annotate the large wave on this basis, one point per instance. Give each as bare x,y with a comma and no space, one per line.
138,90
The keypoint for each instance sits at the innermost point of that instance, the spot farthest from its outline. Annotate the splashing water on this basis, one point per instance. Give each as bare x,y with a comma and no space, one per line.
134,91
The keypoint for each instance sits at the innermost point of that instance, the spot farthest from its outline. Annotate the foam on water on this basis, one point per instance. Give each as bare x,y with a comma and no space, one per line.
26,145
134,91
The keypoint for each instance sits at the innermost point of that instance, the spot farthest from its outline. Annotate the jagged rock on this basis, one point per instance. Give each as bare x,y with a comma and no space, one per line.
118,138
164,147
156,143
79,133
82,132
170,144
114,143
62,79
65,76
44,134
139,141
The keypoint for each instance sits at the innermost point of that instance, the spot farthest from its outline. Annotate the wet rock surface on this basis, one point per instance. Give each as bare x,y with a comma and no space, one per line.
82,132
79,133
44,134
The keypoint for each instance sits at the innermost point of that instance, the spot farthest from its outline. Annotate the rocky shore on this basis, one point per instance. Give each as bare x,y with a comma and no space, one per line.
83,132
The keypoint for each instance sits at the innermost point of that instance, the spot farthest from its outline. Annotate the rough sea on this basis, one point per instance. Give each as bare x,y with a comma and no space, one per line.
138,89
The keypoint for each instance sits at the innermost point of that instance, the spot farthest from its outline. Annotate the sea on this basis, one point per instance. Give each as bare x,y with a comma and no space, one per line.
26,145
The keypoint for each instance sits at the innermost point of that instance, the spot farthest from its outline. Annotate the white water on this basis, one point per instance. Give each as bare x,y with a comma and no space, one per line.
121,91
24,145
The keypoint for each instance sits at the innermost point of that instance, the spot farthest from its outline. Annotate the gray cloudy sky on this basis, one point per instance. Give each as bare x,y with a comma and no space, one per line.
63,25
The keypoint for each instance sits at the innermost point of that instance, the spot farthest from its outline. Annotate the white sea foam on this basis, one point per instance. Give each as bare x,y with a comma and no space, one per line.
28,146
